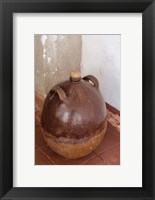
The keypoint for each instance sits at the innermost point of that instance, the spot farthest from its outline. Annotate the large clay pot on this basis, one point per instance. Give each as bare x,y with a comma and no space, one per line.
74,116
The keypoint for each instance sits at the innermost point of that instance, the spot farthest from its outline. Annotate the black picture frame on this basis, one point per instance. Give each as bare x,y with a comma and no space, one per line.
7,8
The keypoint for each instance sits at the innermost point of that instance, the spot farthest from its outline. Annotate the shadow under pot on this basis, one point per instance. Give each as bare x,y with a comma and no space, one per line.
74,116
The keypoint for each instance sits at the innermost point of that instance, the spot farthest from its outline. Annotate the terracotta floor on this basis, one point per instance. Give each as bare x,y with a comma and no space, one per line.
108,153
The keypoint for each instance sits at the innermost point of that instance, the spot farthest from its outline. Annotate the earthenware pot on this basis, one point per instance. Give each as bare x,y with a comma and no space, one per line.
74,116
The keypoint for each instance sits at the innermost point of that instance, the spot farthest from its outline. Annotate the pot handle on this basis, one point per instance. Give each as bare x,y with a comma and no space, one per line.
92,79
60,93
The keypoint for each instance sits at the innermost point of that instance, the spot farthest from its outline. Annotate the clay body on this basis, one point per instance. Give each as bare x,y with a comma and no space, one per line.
74,116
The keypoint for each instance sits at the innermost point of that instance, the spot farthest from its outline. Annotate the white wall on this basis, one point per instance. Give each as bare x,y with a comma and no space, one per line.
99,55
101,58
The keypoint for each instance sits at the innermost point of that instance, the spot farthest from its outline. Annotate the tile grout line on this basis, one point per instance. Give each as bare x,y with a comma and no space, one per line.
116,134
46,156
108,148
97,155
84,162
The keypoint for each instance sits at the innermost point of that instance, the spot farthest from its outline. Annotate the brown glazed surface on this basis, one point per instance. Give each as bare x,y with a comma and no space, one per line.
74,109
75,148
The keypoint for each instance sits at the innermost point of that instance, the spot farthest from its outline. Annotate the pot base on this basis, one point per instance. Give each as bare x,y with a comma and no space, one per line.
72,148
